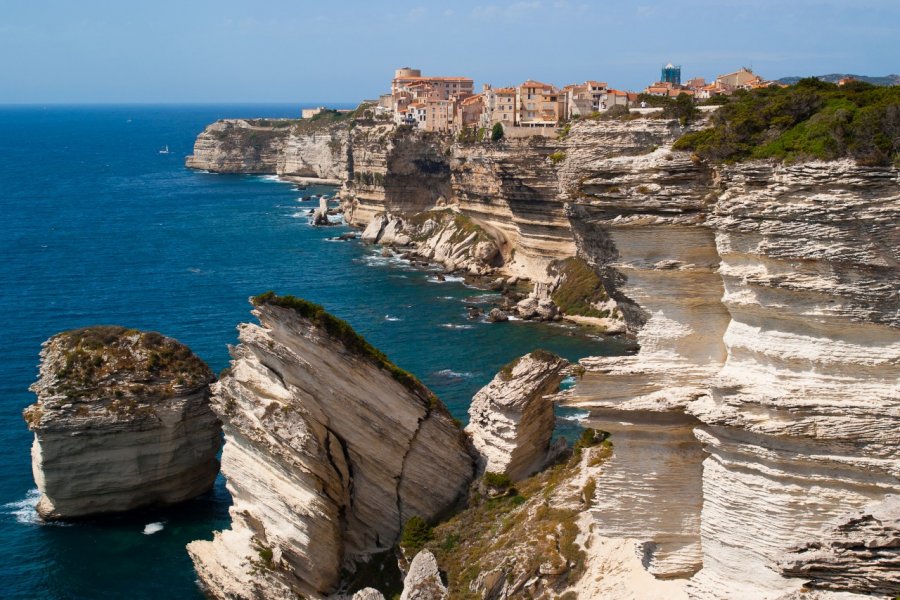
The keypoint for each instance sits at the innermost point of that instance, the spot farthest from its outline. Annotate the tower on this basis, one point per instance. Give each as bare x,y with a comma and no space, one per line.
671,74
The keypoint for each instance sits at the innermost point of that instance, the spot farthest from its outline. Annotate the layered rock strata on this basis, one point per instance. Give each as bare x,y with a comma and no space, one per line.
240,146
446,237
329,450
511,419
789,381
122,421
289,148
802,421
859,553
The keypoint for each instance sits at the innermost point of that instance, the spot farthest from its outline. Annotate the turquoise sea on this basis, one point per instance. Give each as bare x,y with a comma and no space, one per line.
100,228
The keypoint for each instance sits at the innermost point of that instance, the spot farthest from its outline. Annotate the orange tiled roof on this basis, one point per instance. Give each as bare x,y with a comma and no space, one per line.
504,91
596,83
473,99
533,83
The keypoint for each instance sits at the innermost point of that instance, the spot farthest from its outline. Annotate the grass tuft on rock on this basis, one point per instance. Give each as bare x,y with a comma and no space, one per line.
352,341
579,289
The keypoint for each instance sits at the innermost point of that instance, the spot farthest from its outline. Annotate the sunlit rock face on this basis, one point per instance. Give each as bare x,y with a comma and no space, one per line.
122,421
511,418
238,146
802,421
319,154
327,454
789,381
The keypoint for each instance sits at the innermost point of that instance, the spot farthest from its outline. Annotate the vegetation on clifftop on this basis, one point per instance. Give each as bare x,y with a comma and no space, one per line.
112,361
526,530
810,120
352,341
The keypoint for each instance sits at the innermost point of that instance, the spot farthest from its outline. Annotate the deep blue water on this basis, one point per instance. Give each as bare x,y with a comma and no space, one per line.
98,227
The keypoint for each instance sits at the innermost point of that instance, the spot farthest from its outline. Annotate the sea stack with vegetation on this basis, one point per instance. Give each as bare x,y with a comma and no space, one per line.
330,448
122,421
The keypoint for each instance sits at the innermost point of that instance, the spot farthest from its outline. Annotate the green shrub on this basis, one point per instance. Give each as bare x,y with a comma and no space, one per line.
416,533
810,120
499,481
579,289
497,132
557,157
352,341
587,492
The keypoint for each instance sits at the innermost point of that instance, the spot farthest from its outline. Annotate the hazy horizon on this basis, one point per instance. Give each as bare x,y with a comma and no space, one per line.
105,52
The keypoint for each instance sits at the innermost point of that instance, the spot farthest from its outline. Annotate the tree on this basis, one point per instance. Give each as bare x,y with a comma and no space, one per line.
497,132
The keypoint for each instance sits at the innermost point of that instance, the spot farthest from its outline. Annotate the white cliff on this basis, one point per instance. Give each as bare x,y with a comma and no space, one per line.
329,450
122,421
511,419
446,237
768,327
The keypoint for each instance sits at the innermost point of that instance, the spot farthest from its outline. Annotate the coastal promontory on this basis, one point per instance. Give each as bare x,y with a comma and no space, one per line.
122,421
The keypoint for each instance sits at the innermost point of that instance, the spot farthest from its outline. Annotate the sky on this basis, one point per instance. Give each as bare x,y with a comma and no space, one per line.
200,51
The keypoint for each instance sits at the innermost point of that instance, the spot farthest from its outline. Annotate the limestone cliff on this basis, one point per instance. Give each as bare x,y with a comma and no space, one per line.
763,404
329,450
240,146
511,420
122,421
284,147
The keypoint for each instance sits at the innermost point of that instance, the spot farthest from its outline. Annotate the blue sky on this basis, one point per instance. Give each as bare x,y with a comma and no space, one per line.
281,51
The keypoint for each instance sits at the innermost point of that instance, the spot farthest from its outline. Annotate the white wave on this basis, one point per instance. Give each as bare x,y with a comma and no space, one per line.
456,326
454,374
23,510
271,178
577,417
390,318
151,528
300,214
512,318
567,382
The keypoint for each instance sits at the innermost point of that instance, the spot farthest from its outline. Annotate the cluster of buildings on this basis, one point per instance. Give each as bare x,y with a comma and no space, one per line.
450,104
670,84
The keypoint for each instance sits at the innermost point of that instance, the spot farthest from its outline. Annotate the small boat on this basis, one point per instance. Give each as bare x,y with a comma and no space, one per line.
165,150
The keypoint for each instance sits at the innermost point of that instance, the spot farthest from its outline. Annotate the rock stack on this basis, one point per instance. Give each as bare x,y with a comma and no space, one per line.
329,450
511,421
122,421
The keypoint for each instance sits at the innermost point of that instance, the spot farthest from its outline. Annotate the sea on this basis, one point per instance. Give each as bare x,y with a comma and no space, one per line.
102,228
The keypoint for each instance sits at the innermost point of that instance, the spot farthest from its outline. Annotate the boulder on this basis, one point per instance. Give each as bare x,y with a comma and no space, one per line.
423,581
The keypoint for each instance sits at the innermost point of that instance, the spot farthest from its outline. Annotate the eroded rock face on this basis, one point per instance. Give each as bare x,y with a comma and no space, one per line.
860,553
239,146
329,450
801,423
423,581
122,421
288,148
768,325
511,419
446,237
321,154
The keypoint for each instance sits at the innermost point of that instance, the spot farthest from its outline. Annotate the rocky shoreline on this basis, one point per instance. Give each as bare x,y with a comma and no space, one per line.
749,449
744,285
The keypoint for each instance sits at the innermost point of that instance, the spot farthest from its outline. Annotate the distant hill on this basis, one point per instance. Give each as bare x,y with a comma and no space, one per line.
835,77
